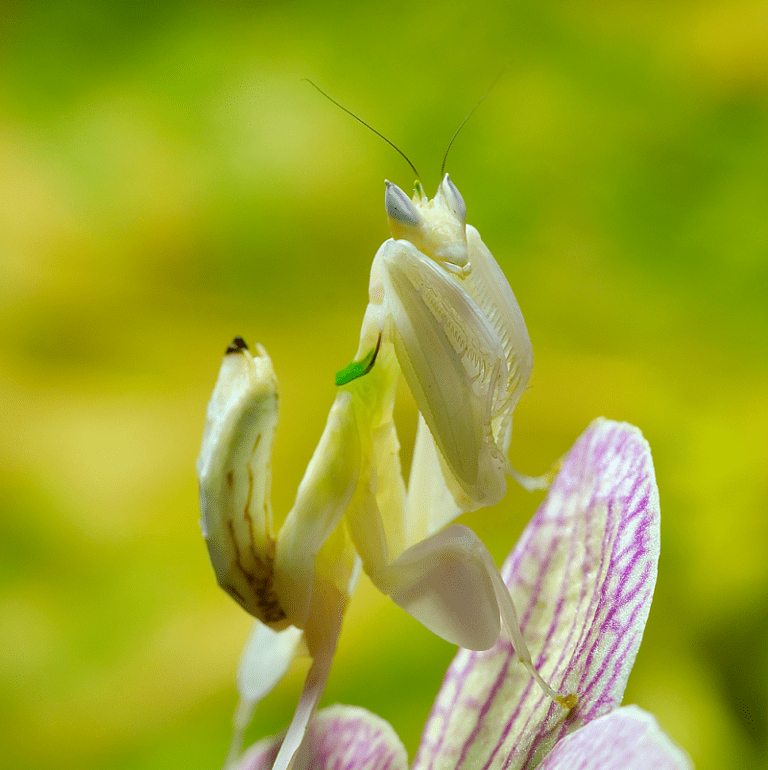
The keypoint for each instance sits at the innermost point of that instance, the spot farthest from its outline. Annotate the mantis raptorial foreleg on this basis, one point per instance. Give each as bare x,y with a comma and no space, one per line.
454,364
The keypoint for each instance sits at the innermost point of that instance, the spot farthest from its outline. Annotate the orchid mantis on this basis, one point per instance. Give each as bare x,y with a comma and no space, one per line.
440,310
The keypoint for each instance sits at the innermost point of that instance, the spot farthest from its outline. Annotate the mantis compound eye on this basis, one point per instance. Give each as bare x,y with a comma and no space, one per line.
399,207
454,199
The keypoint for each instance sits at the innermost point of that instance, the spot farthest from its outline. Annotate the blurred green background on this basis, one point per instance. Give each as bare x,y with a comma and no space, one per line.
167,181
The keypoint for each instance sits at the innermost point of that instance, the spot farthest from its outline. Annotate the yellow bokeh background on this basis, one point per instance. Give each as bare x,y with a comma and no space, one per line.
168,181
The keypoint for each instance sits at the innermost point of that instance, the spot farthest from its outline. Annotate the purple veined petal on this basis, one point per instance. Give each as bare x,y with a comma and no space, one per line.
338,738
582,577
626,739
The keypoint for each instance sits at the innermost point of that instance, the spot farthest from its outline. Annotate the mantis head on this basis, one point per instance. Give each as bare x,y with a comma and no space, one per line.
437,227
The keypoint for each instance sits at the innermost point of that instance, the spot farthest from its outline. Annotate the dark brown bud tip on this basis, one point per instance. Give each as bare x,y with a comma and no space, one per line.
236,346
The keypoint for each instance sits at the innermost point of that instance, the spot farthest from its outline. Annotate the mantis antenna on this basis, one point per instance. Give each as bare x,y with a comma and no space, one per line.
466,118
378,133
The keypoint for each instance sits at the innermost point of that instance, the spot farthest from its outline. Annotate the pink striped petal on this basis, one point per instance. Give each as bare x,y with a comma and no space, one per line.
582,578
338,738
626,739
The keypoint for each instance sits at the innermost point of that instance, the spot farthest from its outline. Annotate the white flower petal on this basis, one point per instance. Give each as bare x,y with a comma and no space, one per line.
265,660
626,739
582,576
343,737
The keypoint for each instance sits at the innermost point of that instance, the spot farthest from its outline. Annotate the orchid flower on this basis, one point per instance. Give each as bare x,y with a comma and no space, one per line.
441,310
584,571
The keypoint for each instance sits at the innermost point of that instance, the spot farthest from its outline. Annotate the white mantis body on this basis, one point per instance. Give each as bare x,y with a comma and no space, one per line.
441,310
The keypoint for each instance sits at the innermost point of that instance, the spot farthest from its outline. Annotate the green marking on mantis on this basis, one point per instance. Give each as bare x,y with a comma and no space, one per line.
358,368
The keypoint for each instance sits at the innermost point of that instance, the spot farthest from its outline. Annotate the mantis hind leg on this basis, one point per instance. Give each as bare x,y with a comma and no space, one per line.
533,483
450,583
511,629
